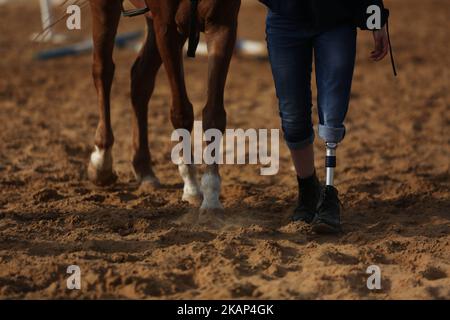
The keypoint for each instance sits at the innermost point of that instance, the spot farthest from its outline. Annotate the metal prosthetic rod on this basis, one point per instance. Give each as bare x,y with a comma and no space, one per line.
330,162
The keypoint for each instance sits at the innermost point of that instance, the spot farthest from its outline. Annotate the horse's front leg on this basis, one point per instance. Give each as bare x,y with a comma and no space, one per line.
170,44
106,16
221,40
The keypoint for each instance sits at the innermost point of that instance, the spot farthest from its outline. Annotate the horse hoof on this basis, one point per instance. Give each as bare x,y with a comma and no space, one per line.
193,199
101,177
149,184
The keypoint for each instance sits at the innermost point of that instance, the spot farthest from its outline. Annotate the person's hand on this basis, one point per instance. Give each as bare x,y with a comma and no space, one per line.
381,44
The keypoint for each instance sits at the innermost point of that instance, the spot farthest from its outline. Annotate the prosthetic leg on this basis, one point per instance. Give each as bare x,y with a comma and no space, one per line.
327,218
330,162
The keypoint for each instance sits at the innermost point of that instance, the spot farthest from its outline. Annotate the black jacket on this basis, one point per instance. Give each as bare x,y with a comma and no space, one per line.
324,13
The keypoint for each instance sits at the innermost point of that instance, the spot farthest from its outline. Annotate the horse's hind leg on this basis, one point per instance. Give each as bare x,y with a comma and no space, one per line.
143,76
106,16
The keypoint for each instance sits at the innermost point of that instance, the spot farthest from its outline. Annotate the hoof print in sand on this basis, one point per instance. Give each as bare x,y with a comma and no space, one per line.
433,273
47,195
95,198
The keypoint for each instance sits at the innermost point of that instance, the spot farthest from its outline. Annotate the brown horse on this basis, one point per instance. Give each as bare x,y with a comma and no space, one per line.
167,31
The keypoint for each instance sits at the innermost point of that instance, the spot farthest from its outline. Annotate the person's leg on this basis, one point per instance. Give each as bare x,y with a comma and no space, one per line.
335,52
290,54
303,160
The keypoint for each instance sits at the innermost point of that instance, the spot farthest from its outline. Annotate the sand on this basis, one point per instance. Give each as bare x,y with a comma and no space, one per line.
393,177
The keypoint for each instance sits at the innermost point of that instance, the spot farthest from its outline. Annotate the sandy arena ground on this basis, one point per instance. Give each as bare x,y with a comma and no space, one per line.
393,177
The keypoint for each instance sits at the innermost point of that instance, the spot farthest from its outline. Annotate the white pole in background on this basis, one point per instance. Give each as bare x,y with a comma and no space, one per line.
47,20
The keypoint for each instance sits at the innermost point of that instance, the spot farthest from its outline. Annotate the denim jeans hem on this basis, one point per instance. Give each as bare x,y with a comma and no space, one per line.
330,134
301,144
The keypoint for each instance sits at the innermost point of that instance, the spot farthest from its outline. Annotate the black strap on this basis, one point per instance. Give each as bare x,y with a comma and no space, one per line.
390,49
134,12
194,34
330,162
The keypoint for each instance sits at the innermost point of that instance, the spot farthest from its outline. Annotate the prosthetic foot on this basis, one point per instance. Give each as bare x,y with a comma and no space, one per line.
328,217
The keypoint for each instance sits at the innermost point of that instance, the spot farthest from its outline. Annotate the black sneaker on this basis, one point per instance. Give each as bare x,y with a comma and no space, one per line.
309,193
328,218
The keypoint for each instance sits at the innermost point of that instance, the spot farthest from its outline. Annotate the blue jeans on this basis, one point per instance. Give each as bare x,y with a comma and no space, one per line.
291,48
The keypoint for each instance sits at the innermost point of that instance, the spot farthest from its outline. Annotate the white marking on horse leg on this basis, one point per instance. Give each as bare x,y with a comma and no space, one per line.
191,190
211,191
101,159
100,170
